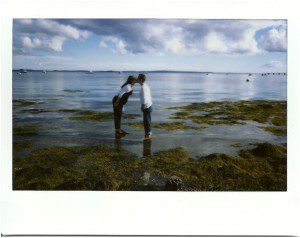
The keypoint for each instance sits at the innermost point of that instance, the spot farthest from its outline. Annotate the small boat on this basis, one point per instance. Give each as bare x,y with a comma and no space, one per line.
23,71
247,80
120,72
249,74
90,72
44,71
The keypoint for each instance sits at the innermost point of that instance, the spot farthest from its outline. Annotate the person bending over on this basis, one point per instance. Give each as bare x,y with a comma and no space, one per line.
120,100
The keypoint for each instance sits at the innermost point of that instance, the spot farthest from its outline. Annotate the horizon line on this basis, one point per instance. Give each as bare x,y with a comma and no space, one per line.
145,71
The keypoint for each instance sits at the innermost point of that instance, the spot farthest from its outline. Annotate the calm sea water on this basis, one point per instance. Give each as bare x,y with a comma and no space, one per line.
168,89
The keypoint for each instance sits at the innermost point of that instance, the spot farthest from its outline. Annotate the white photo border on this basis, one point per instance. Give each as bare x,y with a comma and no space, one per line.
150,213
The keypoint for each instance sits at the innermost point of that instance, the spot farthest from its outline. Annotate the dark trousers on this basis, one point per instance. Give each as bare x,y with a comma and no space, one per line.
117,114
147,120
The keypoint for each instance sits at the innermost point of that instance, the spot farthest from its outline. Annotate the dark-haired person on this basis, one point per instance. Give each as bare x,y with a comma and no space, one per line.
146,105
120,100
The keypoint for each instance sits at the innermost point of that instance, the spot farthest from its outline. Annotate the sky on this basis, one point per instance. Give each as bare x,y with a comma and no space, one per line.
150,44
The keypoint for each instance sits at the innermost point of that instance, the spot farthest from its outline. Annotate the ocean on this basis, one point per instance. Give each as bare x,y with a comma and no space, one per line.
78,90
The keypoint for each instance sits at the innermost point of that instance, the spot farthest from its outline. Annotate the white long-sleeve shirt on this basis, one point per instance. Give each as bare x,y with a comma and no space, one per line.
145,96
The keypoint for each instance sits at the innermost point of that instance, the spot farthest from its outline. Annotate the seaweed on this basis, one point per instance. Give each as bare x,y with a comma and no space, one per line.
275,130
35,110
20,145
168,126
74,91
262,168
25,102
25,131
234,112
93,116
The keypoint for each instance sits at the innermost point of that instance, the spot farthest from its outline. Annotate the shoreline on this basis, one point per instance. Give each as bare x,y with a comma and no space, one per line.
257,167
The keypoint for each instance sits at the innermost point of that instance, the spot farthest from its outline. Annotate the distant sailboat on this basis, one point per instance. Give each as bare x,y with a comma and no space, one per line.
44,71
90,72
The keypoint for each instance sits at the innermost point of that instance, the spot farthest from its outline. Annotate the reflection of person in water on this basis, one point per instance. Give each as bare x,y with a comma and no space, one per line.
147,148
118,143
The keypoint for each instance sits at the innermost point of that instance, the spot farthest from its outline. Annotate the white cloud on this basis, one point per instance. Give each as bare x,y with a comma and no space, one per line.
179,37
215,42
43,34
184,37
273,64
274,40
118,45
55,43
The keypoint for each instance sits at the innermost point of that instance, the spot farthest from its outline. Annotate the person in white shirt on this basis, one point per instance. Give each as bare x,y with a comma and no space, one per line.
119,101
146,105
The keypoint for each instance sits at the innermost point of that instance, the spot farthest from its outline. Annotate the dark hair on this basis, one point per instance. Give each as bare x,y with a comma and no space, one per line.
129,80
142,77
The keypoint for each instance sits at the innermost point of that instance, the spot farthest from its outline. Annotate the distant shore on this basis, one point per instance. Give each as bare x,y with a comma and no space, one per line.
138,71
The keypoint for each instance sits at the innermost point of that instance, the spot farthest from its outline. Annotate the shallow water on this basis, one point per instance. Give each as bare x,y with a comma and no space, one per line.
168,89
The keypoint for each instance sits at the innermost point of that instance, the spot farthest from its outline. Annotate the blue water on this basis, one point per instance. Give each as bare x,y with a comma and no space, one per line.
168,89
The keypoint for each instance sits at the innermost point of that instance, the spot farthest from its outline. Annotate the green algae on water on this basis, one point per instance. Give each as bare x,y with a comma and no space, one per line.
35,110
25,131
168,126
69,110
25,102
234,112
274,130
174,126
20,145
131,116
94,116
90,115
75,91
137,125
